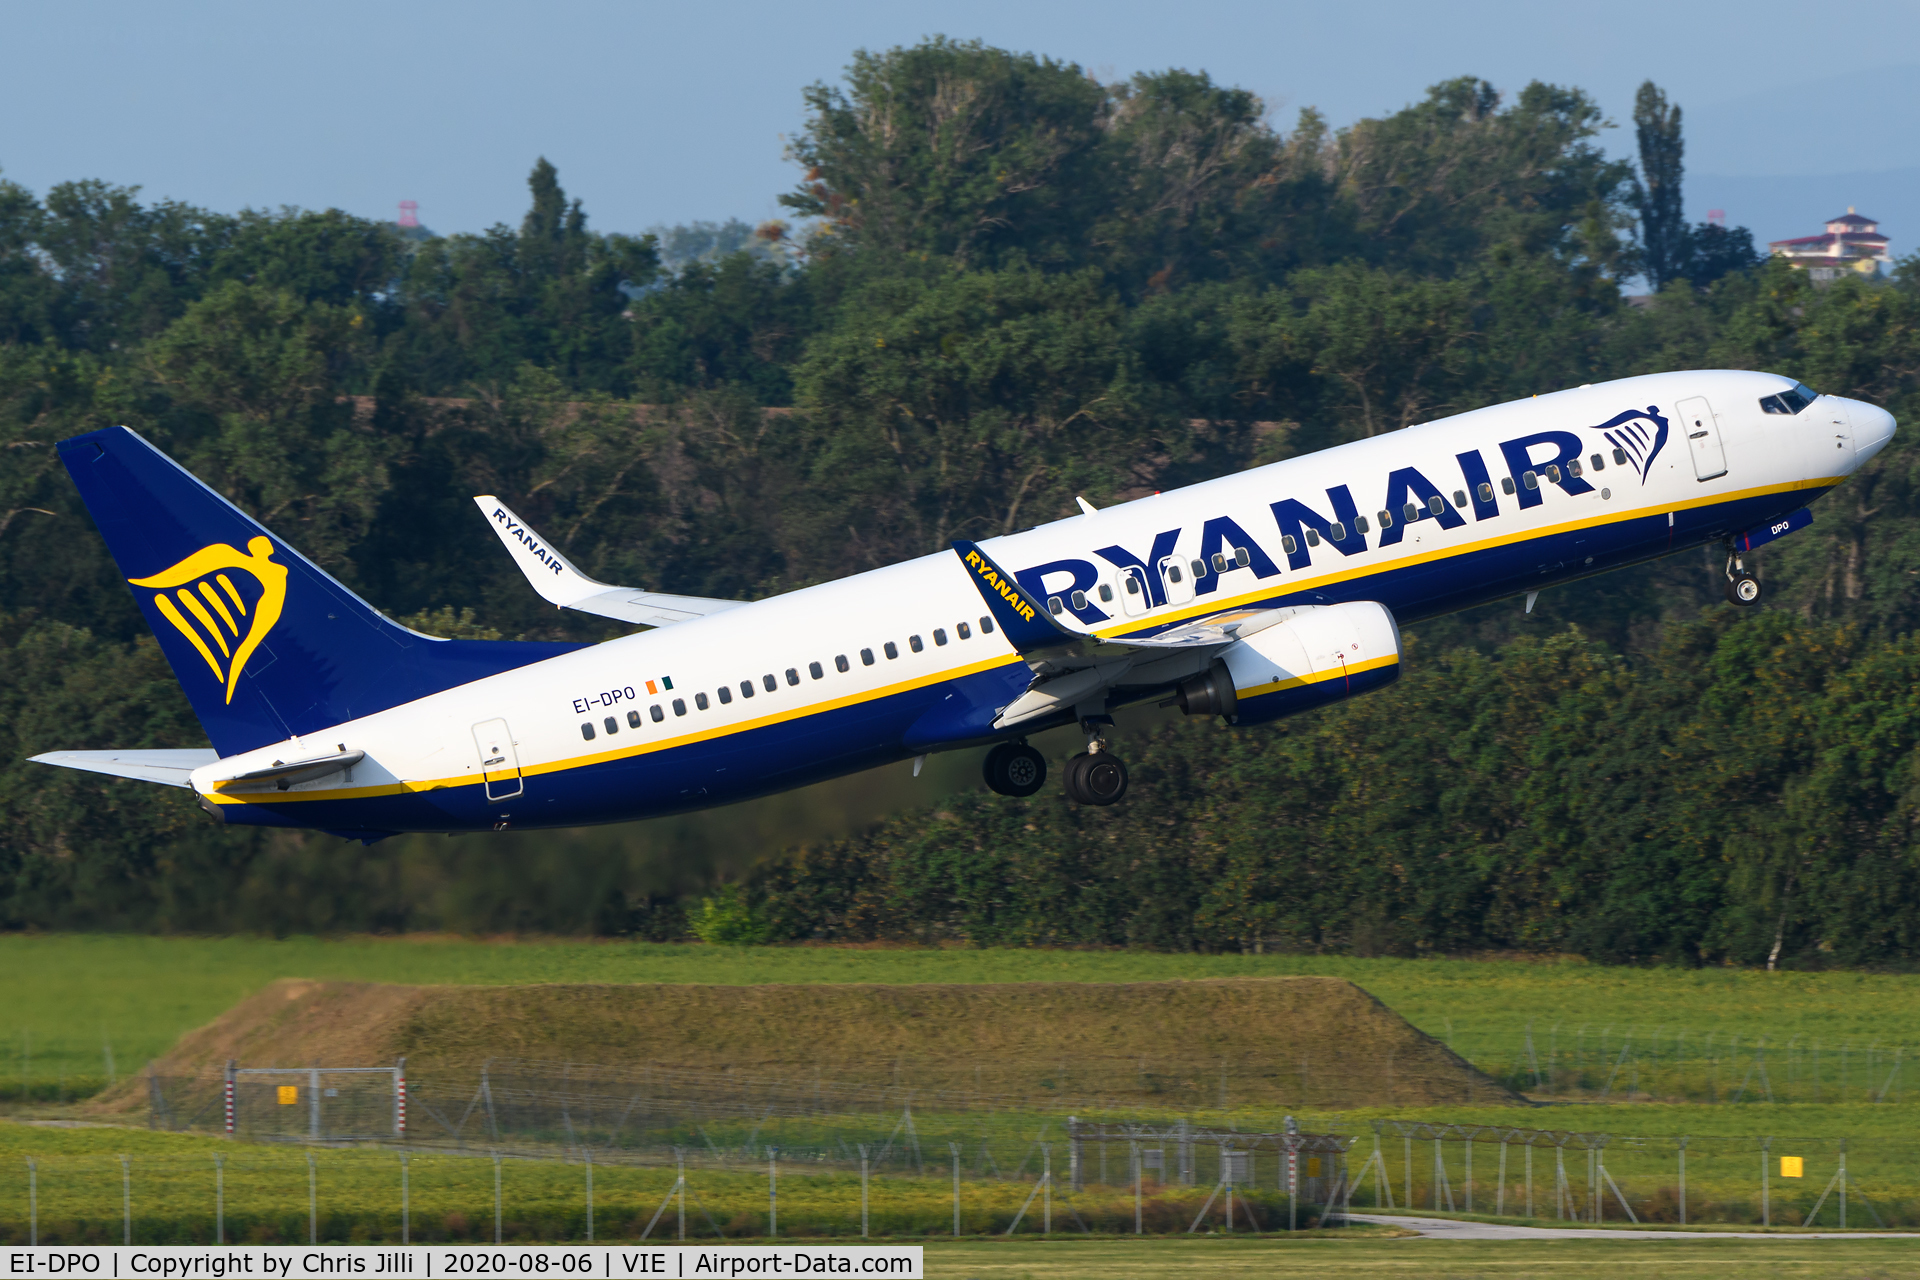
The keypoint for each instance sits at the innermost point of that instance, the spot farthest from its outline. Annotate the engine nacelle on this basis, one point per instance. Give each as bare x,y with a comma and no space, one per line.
1317,654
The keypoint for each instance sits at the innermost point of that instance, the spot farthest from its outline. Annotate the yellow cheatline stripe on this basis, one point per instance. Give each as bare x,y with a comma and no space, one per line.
220,607
206,619
1284,587
227,586
638,749
1297,682
185,628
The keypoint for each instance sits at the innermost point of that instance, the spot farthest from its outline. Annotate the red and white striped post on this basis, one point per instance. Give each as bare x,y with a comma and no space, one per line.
400,1098
229,1097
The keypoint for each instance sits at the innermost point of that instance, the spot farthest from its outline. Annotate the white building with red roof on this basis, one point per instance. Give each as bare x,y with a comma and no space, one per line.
1851,243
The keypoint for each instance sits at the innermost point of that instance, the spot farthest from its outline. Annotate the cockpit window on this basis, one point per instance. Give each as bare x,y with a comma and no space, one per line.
1790,401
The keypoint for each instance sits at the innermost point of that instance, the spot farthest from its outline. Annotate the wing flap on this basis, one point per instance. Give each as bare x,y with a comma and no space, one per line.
558,582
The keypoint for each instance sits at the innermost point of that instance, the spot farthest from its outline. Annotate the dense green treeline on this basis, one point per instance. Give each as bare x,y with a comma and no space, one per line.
1007,284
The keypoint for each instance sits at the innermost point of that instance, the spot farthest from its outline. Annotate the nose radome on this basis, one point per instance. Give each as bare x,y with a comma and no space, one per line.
1872,428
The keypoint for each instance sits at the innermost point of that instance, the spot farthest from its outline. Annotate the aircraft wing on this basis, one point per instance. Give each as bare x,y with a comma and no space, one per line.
555,578
172,767
1075,669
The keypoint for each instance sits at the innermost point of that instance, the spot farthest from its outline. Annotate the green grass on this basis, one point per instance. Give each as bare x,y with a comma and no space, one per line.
68,996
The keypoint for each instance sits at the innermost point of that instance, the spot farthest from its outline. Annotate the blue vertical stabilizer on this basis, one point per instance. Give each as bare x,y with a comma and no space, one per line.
266,645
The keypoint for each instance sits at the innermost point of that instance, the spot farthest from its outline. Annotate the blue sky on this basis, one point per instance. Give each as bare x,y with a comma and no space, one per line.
660,113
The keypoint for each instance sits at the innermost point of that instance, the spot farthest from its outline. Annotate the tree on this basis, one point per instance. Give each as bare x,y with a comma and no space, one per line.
1714,251
1663,227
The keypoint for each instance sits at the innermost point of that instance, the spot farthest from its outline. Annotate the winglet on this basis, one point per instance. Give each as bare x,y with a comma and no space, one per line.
1023,619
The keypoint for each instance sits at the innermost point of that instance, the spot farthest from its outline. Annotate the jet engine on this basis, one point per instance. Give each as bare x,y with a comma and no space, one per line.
1311,656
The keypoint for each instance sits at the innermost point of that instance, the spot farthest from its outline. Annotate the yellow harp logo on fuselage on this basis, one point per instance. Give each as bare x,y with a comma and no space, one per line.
199,597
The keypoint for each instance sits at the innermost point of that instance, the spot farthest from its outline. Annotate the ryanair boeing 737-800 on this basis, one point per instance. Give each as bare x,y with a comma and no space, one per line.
1248,597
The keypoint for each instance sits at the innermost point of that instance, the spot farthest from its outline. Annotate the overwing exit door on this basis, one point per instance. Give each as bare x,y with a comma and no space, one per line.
499,762
1702,431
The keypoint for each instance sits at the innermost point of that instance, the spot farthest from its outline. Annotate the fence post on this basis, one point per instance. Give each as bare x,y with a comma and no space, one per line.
1683,1179
406,1202
680,1159
496,1197
588,1153
863,1191
313,1200
1500,1188
1529,1163
1406,1159
126,1201
1139,1178
1046,1189
1766,1204
313,1103
400,1098
219,1199
1843,1177
1468,1175
229,1094
773,1194
954,1148
33,1202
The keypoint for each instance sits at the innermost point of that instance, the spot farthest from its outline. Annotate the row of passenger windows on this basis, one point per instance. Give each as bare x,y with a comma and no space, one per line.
771,683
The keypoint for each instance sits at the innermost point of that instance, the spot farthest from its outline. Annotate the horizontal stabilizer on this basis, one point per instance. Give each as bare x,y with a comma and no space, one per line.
558,582
172,767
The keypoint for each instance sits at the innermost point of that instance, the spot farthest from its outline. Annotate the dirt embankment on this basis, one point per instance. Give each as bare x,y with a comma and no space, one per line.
1242,1041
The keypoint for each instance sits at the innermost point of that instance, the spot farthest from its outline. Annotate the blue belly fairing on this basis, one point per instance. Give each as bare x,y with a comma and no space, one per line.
888,728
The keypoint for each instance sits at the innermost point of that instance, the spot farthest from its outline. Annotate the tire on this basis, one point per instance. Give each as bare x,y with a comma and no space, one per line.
1015,769
1744,591
1096,779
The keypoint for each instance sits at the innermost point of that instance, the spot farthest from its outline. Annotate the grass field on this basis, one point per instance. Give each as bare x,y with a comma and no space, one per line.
70,997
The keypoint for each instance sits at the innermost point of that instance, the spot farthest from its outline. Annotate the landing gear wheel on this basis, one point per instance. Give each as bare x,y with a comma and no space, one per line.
1015,769
1099,778
1743,589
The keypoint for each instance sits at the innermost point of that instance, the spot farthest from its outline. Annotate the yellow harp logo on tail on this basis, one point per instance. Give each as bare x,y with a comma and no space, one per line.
223,621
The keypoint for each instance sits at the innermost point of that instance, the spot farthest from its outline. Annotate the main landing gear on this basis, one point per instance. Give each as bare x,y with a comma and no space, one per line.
1742,587
1096,776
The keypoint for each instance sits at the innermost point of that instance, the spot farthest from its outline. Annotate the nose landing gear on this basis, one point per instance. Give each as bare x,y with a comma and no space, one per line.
1742,587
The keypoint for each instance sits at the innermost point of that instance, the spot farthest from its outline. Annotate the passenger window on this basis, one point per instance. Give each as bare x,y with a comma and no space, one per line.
1054,607
940,633
613,726
1506,484
1287,544
1620,457
813,669
1173,573
1486,492
1599,463
1459,497
1241,558
1133,585
1337,531
1219,562
726,695
1313,537
1436,504
768,683
1106,597
1199,569
841,664
986,626
1078,600
1411,511
1360,524
891,649
1574,468
1553,475
793,675
866,657
966,632
657,714
700,701
633,719
1530,480
746,688
913,643
1386,519
586,730
679,707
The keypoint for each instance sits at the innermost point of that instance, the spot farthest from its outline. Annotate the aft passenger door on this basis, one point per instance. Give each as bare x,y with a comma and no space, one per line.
499,762
1173,574
1698,424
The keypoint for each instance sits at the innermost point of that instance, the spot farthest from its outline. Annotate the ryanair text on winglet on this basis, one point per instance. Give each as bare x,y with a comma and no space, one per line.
526,539
1010,594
